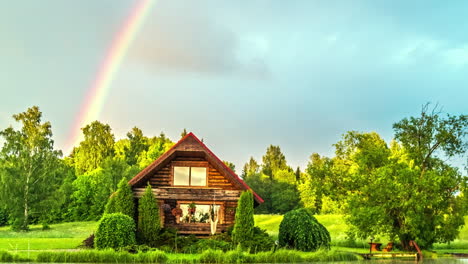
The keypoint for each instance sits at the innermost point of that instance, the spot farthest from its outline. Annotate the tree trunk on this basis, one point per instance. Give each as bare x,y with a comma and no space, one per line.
405,242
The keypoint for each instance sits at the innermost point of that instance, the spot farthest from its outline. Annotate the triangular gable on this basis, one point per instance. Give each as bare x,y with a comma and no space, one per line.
191,143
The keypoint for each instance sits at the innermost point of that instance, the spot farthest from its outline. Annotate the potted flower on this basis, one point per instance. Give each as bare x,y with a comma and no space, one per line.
192,208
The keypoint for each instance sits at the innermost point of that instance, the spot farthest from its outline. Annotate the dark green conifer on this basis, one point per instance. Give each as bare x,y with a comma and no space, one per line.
148,218
244,221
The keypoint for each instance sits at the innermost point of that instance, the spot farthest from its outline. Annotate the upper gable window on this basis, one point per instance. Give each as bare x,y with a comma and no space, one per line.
189,176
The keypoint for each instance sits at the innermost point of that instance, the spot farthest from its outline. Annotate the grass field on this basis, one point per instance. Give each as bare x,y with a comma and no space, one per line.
70,235
59,236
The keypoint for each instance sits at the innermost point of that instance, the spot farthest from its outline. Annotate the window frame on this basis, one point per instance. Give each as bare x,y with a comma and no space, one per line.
190,176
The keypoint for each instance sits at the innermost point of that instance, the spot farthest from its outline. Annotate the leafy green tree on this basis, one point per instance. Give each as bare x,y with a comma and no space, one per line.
148,218
28,168
250,168
244,220
137,144
318,183
97,146
284,196
425,135
262,184
90,195
387,195
273,160
158,145
124,199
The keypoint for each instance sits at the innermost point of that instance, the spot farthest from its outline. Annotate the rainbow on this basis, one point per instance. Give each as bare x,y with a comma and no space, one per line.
97,93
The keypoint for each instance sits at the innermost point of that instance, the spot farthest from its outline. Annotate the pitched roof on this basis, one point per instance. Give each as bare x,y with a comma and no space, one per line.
187,144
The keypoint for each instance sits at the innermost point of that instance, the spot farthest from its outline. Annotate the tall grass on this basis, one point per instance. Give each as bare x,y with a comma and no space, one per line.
101,256
207,256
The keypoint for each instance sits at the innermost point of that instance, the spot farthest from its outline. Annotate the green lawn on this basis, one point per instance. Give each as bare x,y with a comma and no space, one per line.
70,235
59,236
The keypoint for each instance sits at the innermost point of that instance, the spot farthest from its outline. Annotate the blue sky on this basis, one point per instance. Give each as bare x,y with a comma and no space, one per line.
239,74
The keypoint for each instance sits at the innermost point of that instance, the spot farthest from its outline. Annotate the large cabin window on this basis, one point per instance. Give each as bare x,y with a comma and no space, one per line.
189,176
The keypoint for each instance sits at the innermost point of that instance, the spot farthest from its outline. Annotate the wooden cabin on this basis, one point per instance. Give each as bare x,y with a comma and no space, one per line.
190,175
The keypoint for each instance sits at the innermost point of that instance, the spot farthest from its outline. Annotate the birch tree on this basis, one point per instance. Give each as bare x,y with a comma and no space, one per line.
28,164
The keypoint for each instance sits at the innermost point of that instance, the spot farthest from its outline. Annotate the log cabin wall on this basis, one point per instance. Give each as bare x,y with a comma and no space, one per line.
164,176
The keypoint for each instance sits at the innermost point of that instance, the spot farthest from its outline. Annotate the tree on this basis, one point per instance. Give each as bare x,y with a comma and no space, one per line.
386,195
158,145
137,144
423,136
244,220
124,199
273,160
250,168
28,164
318,183
97,146
148,218
184,133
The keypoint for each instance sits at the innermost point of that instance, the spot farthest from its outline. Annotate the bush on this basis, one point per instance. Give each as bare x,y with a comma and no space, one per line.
203,244
260,241
115,231
148,218
300,230
244,221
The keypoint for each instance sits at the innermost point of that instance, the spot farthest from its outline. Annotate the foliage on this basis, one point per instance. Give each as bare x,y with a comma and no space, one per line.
115,231
148,218
157,147
124,199
260,241
250,168
273,160
110,206
90,195
424,135
137,144
318,183
388,193
301,231
97,146
3,217
244,220
28,163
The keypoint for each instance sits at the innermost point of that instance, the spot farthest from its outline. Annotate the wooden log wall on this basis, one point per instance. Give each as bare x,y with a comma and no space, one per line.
164,176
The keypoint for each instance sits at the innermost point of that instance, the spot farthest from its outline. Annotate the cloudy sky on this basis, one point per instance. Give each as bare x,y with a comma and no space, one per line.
239,74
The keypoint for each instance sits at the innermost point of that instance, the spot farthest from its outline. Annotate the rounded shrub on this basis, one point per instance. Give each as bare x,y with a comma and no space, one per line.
115,231
300,230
